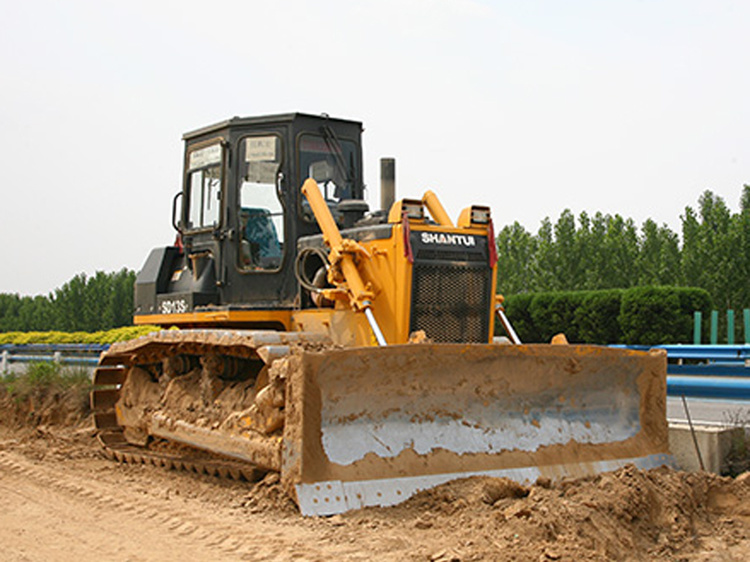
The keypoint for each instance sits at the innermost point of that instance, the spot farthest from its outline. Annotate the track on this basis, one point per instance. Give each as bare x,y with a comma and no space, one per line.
122,451
116,447
201,450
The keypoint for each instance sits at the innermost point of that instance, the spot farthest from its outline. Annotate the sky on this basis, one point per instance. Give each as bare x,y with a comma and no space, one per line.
628,107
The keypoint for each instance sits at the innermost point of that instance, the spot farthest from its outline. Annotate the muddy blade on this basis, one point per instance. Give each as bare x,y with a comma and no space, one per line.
373,426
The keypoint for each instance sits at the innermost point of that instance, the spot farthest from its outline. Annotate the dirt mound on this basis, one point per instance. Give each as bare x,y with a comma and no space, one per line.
43,406
627,515
267,495
630,514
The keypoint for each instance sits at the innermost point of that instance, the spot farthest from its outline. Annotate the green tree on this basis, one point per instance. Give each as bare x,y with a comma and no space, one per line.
517,249
69,302
546,259
121,303
586,246
610,252
569,263
658,260
621,249
713,254
101,302
741,228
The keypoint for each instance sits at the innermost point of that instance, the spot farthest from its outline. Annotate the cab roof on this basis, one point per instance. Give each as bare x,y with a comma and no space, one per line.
262,119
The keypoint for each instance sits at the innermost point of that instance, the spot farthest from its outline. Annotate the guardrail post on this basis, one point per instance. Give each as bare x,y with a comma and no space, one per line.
4,362
714,327
57,357
730,327
746,315
697,321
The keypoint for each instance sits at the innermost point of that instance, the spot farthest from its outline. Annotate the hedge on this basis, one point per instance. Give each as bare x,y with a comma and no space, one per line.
639,315
108,336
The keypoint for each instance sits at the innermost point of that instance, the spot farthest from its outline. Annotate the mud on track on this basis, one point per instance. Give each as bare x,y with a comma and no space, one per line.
61,500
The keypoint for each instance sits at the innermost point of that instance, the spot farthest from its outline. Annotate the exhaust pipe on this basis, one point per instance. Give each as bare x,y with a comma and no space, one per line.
387,183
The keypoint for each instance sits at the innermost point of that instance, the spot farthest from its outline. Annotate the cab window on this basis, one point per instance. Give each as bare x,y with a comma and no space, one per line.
332,163
261,213
204,187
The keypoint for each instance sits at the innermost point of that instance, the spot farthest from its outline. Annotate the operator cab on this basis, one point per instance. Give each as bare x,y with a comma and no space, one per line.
256,166
240,211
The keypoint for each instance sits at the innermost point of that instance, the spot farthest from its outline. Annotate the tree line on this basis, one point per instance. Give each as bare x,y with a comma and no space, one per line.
575,253
610,252
88,304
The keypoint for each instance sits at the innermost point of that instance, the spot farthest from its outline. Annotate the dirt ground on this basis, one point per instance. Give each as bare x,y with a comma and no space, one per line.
60,499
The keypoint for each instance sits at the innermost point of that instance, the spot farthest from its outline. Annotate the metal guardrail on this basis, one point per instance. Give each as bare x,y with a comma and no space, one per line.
706,371
735,354
86,355
727,388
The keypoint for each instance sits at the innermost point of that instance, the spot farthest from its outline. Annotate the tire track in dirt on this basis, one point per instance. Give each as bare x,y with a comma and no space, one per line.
221,538
201,531
151,514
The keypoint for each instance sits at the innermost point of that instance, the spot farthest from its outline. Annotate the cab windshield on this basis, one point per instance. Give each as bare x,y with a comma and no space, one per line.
332,163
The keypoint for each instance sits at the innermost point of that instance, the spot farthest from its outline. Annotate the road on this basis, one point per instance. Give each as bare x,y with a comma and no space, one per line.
709,411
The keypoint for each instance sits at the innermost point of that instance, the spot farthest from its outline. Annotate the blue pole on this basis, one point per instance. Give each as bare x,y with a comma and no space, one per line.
730,327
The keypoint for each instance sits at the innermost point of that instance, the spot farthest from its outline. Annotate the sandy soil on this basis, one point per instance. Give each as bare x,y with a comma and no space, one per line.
61,500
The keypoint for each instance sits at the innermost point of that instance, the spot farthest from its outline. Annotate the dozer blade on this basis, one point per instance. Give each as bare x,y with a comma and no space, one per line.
372,426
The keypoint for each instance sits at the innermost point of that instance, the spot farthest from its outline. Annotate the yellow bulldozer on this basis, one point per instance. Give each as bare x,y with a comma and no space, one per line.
351,351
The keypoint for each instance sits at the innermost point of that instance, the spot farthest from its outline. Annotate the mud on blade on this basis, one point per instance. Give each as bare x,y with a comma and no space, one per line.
372,426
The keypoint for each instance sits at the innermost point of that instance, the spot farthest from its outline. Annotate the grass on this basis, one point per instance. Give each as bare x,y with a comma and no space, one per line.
738,458
44,378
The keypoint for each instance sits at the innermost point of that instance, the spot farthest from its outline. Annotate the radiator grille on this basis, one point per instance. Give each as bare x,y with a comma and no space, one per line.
451,302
